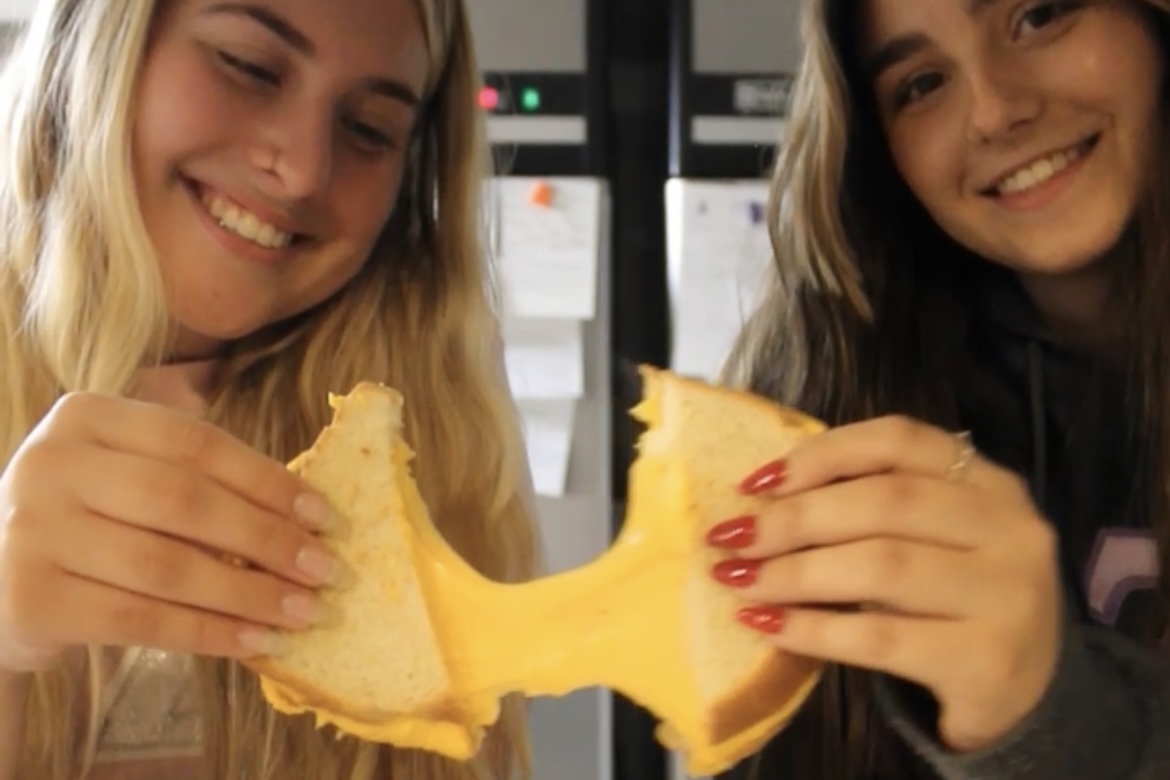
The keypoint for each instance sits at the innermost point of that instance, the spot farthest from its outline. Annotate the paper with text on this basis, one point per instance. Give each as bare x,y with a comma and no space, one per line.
719,258
548,239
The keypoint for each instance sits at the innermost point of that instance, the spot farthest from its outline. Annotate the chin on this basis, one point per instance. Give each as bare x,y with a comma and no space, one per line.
219,315
1057,253
1054,264
196,330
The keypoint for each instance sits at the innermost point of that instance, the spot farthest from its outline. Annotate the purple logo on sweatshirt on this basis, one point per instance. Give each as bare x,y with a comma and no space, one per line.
1123,560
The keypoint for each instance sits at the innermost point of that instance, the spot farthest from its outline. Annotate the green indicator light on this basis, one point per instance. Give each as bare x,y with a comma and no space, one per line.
530,99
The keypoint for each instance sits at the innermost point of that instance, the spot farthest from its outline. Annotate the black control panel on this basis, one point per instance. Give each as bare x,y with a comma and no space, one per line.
726,122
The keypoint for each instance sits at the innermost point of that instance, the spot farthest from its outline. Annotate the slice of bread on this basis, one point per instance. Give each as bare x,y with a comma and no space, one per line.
424,647
377,670
747,689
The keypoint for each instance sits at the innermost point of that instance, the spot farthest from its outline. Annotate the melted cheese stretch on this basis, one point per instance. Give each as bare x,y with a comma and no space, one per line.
579,629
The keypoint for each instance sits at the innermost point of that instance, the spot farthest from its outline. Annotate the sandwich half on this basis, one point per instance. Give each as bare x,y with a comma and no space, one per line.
710,438
378,669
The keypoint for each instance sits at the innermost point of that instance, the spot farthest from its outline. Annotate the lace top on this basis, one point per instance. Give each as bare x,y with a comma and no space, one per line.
150,727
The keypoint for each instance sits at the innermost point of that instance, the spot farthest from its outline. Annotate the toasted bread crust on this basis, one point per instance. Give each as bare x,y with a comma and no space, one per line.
445,709
781,681
788,416
782,677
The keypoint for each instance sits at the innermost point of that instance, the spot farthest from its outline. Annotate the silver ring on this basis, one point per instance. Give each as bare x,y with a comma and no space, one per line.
963,457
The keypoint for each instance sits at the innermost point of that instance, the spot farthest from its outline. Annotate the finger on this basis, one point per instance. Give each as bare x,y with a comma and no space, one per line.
158,433
871,447
164,568
907,577
87,612
904,506
163,497
912,648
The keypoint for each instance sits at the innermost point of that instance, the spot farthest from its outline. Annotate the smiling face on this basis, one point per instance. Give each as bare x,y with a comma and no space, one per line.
1023,127
269,142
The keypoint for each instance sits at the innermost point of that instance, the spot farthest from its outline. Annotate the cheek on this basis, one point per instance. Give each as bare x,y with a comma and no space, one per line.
364,197
363,202
181,110
1122,69
926,159
1143,90
1129,57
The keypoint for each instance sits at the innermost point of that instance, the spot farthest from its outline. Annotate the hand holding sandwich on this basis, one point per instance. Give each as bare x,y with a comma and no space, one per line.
114,518
956,570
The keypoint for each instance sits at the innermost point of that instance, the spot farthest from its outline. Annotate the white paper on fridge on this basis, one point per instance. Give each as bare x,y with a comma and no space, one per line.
545,358
547,236
548,432
719,257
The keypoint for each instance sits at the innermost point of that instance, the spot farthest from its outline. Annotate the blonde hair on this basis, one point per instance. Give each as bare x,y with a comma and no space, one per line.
82,308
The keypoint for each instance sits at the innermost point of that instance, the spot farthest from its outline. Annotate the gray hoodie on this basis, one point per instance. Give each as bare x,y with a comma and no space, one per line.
1053,416
1106,716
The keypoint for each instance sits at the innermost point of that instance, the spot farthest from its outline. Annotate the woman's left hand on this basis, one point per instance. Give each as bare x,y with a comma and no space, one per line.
956,570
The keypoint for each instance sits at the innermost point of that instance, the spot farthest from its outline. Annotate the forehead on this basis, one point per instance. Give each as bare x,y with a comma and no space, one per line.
880,20
380,36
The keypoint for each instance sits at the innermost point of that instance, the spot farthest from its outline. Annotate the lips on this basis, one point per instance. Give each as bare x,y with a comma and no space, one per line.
1039,170
244,223
248,223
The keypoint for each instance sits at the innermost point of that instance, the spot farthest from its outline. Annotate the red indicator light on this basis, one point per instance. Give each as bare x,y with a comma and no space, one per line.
489,99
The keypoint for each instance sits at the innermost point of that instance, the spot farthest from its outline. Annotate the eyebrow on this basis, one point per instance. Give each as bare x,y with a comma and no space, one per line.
283,29
905,46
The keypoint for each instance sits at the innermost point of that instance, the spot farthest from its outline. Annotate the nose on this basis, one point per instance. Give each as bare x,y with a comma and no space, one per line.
1001,103
295,151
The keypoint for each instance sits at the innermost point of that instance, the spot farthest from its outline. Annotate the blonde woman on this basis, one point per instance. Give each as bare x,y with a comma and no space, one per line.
213,214
971,230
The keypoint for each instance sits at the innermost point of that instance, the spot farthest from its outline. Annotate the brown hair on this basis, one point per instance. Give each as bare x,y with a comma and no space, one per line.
866,315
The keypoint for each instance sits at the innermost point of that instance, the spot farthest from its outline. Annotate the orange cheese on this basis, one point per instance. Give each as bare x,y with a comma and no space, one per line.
587,627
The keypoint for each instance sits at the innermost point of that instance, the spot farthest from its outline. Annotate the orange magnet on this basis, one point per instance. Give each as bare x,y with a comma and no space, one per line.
541,194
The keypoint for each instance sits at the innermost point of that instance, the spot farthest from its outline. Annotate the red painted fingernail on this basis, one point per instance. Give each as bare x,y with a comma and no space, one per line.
767,620
736,572
765,478
733,534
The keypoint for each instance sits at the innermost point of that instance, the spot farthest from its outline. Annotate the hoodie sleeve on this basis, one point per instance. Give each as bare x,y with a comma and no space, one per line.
1106,716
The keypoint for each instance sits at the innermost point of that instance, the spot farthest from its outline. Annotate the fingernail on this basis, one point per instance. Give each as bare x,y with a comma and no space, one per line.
765,478
304,608
733,534
736,572
262,642
767,620
318,564
315,512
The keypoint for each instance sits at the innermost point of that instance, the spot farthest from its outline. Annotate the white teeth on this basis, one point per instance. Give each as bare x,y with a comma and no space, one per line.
245,224
1039,172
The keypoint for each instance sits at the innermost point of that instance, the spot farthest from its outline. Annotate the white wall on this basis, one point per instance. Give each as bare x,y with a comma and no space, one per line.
16,9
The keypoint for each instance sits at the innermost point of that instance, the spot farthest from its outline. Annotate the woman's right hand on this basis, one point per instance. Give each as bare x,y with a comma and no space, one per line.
115,518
